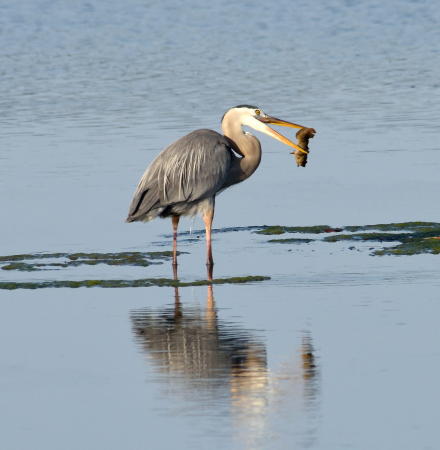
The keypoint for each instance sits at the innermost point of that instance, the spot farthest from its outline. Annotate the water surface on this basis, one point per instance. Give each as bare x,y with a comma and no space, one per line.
339,348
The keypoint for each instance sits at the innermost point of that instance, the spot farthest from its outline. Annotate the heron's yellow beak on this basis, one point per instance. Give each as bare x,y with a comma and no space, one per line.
275,121
269,131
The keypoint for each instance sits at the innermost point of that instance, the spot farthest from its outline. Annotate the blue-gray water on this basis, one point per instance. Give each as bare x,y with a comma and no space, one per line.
339,349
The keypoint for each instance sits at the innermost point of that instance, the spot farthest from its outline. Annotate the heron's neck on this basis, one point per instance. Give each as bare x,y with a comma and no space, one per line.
248,146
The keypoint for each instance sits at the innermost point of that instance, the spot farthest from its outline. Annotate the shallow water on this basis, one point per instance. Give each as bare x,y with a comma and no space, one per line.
339,348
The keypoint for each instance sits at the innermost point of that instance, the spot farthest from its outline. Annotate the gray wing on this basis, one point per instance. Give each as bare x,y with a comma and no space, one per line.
193,168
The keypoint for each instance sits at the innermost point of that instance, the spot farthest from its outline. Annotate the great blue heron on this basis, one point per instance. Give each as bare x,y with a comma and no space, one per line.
185,177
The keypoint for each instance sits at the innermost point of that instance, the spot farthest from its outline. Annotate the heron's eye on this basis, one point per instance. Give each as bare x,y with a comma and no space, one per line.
257,112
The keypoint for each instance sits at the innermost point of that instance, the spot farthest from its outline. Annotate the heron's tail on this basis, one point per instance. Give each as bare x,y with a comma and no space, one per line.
145,206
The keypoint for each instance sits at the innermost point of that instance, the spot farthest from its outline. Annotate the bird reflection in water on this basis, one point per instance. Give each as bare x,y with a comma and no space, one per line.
310,369
193,345
219,367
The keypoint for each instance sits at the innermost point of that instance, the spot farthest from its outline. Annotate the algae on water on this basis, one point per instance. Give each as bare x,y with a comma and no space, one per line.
278,229
291,241
413,247
25,257
399,226
32,262
378,237
411,238
144,282
22,267
63,260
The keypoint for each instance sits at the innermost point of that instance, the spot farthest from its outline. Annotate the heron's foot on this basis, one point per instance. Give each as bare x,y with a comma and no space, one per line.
174,265
209,270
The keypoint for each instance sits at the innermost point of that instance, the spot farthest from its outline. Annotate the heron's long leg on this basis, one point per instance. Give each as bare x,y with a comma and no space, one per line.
208,217
175,222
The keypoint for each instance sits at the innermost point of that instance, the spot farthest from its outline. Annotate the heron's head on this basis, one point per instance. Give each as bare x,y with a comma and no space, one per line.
254,117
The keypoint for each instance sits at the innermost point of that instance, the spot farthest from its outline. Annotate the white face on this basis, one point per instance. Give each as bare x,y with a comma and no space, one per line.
249,117
257,112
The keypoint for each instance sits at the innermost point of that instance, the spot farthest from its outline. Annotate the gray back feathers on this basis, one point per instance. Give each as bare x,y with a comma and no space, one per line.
191,169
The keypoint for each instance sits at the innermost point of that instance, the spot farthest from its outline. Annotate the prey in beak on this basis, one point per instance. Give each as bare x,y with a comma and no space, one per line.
303,136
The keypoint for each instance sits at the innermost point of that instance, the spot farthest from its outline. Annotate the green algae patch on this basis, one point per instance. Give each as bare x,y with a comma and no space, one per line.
315,229
413,247
30,256
111,259
412,238
398,226
22,267
140,259
291,241
378,237
275,229
118,259
144,282
278,229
